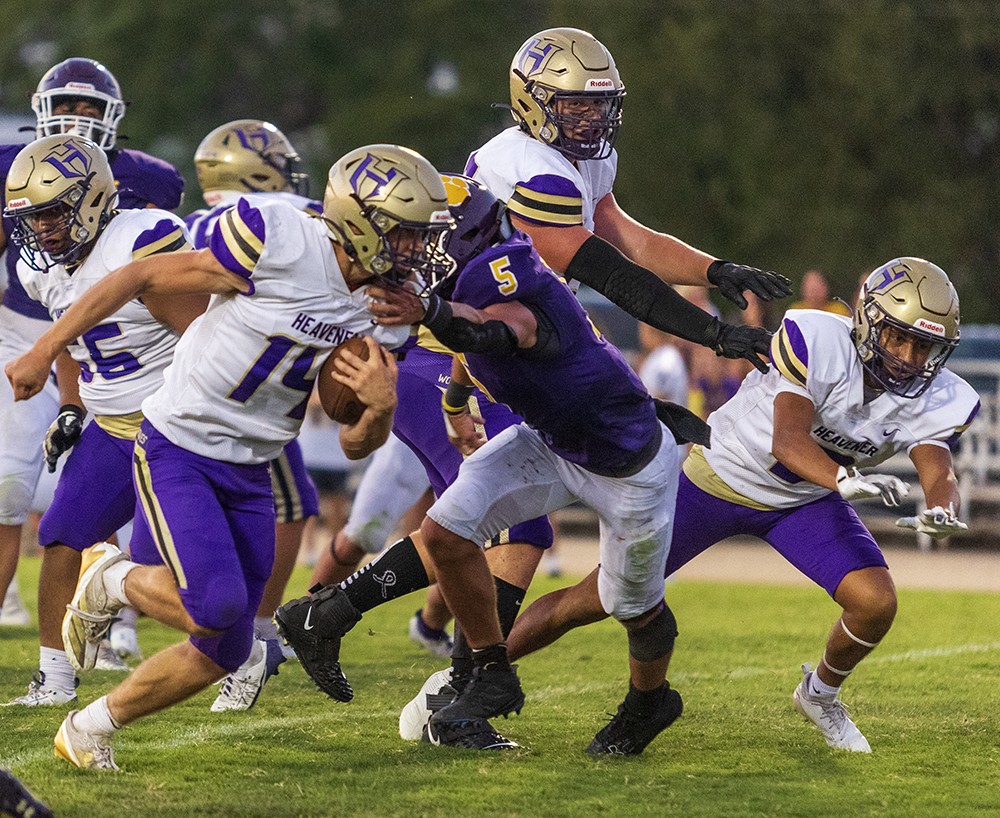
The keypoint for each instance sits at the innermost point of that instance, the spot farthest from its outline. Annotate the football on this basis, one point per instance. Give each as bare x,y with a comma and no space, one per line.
340,401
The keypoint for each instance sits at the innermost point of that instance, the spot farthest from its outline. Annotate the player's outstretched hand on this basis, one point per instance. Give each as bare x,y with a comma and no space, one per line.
853,485
738,341
28,374
732,279
936,522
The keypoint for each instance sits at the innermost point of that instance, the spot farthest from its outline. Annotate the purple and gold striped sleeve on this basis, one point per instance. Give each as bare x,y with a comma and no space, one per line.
547,199
237,240
789,353
164,237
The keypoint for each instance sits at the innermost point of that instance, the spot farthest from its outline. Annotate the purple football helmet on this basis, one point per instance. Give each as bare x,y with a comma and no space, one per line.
79,78
479,218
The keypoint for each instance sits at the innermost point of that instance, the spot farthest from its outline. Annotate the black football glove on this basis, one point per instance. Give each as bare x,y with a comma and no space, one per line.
738,341
62,434
732,279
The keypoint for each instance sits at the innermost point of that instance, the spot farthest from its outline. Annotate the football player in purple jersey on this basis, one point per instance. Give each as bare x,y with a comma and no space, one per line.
591,432
81,96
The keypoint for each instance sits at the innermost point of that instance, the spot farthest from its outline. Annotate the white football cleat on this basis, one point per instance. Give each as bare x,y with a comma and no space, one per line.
436,693
91,612
13,613
88,751
125,642
829,714
437,642
239,690
41,695
108,659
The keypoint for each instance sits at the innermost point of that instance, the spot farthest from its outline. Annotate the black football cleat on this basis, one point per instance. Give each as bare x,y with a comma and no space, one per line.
15,800
628,735
468,734
490,692
314,625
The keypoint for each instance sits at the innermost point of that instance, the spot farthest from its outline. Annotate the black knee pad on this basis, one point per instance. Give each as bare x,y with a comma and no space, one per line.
655,639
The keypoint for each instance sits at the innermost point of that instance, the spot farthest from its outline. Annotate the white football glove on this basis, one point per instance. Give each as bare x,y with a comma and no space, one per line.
936,522
853,485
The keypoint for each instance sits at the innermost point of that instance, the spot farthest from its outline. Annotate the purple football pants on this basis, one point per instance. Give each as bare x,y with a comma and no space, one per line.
95,496
212,524
824,539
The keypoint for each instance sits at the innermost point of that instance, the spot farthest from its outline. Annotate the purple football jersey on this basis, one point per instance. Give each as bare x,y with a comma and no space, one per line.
142,180
587,403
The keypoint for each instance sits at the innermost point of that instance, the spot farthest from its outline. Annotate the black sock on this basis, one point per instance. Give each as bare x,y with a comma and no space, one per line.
642,703
461,660
396,573
493,657
509,599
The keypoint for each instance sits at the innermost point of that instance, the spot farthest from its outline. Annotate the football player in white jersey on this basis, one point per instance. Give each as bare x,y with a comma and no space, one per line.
556,170
784,463
288,289
254,159
61,198
80,96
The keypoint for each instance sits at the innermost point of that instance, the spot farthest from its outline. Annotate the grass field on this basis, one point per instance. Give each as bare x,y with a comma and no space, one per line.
927,701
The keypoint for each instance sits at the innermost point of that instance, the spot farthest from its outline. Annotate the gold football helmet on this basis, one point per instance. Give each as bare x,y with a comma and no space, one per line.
387,207
61,194
565,91
915,297
250,156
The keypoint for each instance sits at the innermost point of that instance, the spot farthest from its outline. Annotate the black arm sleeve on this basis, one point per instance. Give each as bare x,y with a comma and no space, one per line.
640,293
492,337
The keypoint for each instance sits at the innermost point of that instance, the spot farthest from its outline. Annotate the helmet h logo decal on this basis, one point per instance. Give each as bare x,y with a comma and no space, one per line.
69,160
534,57
890,275
370,182
256,140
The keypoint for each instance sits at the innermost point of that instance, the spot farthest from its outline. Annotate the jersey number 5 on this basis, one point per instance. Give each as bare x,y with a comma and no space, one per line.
503,276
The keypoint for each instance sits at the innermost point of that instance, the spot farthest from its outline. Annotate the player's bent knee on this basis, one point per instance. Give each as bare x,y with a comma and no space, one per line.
15,501
655,637
345,552
223,603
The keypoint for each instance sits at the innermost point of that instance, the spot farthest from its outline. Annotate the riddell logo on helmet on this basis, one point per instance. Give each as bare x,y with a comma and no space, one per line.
600,85
79,86
16,203
929,326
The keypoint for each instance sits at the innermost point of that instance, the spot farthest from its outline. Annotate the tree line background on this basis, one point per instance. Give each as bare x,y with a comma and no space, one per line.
788,134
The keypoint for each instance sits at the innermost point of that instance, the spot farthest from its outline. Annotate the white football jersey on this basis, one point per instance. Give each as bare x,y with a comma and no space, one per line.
812,355
122,359
540,184
243,371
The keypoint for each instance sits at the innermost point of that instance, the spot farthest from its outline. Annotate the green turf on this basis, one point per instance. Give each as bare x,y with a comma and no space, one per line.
927,701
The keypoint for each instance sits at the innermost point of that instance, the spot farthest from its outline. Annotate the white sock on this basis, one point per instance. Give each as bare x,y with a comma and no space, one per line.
264,628
96,718
126,618
58,671
817,687
114,580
